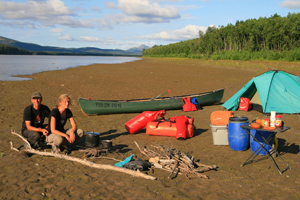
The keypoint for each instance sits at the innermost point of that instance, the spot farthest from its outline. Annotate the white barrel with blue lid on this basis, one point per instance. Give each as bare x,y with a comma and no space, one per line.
238,138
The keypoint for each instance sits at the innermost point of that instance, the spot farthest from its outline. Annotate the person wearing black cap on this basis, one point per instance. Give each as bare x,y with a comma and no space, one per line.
33,127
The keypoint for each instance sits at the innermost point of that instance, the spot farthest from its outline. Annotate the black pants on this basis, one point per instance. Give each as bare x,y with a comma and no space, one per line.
33,137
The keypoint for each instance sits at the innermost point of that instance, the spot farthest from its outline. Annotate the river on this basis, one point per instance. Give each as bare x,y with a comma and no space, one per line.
12,65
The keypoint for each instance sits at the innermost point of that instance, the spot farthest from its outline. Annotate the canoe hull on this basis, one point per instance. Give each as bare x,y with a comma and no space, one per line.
102,107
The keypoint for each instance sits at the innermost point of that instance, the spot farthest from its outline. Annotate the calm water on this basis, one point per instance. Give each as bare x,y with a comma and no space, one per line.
11,65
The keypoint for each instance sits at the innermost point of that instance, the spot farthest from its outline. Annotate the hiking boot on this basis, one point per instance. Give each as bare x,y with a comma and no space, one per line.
35,145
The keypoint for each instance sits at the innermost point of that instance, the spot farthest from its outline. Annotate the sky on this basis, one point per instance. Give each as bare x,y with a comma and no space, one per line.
122,24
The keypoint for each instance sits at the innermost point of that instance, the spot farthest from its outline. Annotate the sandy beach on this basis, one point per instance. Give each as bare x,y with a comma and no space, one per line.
41,177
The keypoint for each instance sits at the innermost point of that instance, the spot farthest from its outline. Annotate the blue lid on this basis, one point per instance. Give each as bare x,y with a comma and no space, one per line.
94,133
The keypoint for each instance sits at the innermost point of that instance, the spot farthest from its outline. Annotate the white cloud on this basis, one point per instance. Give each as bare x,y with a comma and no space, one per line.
88,38
47,13
66,37
57,31
121,44
144,8
19,24
140,11
291,4
186,33
33,9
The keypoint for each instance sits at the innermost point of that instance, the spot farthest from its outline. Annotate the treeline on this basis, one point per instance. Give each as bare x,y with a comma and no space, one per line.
274,38
11,50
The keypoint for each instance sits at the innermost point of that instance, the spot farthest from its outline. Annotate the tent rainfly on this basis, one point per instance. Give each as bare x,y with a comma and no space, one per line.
278,91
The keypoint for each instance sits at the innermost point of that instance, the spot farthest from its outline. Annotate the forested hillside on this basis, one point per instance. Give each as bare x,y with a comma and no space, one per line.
11,50
274,38
9,46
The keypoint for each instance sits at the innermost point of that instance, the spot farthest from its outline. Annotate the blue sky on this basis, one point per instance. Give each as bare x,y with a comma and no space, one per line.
121,24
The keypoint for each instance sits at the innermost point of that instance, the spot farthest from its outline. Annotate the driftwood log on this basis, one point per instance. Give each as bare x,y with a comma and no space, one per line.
81,161
176,162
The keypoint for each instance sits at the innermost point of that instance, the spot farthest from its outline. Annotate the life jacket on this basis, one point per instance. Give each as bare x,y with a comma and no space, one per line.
188,105
139,122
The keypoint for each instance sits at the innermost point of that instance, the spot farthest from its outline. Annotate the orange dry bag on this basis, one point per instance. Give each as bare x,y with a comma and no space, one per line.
167,128
188,105
139,122
220,117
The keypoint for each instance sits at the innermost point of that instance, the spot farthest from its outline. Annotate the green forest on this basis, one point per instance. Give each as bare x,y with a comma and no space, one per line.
273,38
11,50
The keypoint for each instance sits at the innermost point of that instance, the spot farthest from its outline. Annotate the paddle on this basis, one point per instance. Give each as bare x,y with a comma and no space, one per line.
168,91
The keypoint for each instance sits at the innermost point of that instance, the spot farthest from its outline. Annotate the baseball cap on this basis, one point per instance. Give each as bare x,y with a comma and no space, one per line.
36,95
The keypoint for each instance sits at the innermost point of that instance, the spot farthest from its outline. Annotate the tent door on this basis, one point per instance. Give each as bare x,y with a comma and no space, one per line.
256,103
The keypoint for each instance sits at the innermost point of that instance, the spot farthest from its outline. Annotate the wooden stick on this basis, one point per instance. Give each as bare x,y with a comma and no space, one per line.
176,165
203,165
141,150
170,159
85,162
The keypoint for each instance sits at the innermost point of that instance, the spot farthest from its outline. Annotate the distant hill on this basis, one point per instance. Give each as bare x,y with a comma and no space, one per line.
138,49
42,50
11,50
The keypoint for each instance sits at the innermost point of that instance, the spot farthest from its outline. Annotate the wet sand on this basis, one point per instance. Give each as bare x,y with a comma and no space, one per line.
40,177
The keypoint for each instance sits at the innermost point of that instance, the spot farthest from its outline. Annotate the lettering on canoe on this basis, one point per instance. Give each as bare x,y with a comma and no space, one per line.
109,105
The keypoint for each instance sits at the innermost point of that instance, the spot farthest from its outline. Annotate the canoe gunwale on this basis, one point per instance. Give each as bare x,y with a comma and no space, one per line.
102,107
158,99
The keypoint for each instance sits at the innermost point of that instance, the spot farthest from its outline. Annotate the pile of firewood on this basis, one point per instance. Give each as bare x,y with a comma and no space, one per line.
176,162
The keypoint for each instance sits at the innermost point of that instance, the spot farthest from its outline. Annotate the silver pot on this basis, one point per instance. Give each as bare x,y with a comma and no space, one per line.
106,144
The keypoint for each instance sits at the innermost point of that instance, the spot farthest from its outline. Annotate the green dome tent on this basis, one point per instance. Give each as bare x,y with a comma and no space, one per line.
278,91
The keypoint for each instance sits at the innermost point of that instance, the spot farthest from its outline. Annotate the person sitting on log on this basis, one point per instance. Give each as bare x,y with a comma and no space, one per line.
33,127
58,136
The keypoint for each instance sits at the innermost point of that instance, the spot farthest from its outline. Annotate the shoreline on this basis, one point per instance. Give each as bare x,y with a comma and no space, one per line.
38,177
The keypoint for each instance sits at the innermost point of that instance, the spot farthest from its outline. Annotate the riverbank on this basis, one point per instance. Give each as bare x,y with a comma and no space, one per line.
38,177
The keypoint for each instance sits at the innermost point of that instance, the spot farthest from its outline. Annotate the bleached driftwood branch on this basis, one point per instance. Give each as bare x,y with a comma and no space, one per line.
82,161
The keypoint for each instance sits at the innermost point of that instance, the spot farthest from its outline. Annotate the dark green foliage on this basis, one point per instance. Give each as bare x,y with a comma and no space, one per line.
11,50
274,38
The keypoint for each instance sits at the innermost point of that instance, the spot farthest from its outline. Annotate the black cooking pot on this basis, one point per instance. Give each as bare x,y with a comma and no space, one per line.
91,139
106,144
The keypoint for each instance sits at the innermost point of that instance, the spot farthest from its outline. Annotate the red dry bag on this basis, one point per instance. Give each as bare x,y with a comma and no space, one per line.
139,122
181,124
245,104
188,105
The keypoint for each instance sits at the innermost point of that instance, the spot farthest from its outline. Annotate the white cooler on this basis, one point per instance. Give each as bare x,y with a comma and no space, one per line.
220,134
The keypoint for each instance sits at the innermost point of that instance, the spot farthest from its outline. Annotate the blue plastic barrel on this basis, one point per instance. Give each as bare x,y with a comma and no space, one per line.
255,145
238,138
